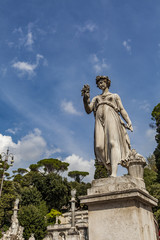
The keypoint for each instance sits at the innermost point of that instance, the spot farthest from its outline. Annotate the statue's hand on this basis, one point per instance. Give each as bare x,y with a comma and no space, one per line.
129,126
85,92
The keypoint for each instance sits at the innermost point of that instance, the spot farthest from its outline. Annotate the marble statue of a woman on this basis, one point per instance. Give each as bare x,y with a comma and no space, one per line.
111,141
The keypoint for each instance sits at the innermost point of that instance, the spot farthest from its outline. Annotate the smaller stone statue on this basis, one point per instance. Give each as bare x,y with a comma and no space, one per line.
32,237
15,231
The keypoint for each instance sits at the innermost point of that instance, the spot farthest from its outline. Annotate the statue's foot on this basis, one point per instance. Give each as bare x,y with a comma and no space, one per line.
113,175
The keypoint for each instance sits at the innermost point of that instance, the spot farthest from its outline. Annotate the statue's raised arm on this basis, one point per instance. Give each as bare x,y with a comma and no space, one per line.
85,92
111,141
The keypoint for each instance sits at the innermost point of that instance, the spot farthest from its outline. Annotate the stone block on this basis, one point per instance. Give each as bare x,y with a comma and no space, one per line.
120,208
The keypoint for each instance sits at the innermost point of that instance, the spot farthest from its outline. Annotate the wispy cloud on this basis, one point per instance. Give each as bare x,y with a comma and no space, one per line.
25,37
99,65
150,133
87,27
12,131
145,106
68,107
127,45
26,67
3,70
29,40
142,104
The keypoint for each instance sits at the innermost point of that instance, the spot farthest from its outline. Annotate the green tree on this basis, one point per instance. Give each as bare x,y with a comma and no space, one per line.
100,170
151,160
6,205
52,165
54,189
51,216
30,195
156,119
32,219
34,167
77,175
152,184
3,168
20,171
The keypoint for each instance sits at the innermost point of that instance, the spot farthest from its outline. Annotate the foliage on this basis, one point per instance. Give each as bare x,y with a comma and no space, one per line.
156,119
32,219
54,189
6,204
30,195
157,215
152,162
21,171
34,167
43,194
3,168
77,175
51,216
53,165
153,186
18,178
100,170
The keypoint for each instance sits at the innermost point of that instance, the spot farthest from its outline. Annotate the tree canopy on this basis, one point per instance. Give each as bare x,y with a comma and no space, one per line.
156,119
43,194
78,175
52,165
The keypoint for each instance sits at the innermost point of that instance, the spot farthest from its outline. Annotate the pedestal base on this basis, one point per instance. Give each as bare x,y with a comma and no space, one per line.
120,208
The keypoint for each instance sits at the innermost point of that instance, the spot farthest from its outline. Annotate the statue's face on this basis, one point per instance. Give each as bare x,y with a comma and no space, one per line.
102,84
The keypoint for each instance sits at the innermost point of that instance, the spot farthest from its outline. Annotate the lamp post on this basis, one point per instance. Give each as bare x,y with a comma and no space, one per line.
73,230
4,164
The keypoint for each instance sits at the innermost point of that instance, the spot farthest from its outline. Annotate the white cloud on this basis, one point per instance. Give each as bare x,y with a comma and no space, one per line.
68,107
150,134
27,68
50,152
127,45
99,65
30,148
79,164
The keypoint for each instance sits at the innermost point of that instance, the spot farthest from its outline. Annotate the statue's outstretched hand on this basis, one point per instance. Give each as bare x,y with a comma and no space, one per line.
85,92
129,126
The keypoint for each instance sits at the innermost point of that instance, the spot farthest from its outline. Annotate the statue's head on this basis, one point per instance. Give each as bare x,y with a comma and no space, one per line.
103,78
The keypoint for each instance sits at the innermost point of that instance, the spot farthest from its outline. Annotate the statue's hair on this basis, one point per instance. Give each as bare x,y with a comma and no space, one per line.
104,78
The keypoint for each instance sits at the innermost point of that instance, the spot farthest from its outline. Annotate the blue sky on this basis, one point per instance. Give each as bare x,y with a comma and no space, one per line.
50,49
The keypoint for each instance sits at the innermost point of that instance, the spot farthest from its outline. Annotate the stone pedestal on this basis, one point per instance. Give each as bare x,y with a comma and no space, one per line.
120,208
73,237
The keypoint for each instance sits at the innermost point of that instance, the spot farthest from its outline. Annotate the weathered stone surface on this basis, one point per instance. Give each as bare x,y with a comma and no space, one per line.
120,208
60,231
15,231
111,141
73,237
107,185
